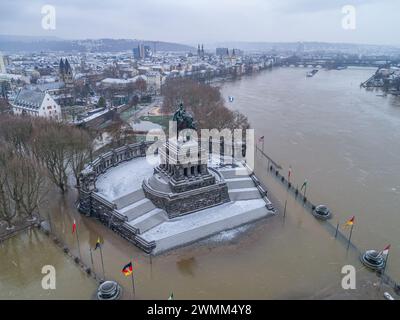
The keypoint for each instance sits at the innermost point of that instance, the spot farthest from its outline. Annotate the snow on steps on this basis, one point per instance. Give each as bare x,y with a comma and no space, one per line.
187,229
149,220
129,198
240,183
235,173
244,194
137,209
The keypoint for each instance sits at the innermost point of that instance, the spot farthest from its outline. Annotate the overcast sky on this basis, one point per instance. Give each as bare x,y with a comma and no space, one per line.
193,21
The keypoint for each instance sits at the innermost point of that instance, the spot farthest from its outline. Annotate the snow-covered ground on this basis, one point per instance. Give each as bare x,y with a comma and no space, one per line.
144,126
203,217
102,141
225,221
128,177
125,178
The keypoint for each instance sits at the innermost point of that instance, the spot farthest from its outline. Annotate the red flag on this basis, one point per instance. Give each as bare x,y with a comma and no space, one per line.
385,251
74,227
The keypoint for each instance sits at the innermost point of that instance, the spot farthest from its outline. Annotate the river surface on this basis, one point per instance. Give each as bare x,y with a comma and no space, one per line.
344,140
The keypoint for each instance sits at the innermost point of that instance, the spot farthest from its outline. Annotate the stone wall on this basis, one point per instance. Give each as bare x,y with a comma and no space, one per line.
93,205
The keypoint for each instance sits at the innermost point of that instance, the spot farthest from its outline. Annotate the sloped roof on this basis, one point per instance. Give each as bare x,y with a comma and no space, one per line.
28,98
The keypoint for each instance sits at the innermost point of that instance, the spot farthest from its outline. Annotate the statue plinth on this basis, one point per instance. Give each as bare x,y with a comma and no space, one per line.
183,183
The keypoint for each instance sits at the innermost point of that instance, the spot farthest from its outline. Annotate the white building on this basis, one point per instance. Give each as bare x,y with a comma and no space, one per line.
36,103
153,80
2,64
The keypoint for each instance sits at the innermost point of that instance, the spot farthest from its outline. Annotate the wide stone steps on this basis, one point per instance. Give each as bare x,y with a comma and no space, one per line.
240,183
129,198
149,220
235,173
244,194
137,209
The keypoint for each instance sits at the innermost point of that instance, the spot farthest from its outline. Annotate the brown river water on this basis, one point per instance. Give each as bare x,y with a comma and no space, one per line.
343,139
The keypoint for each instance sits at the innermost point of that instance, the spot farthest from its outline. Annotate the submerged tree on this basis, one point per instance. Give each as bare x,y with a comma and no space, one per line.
52,149
8,209
34,187
80,151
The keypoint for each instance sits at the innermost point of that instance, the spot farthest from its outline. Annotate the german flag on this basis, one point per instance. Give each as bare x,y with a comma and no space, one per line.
127,270
98,243
350,222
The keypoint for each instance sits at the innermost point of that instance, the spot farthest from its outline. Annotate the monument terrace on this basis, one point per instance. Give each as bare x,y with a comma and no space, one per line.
187,195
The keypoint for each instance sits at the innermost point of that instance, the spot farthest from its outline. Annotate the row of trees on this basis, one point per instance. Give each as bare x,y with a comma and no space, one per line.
204,101
34,155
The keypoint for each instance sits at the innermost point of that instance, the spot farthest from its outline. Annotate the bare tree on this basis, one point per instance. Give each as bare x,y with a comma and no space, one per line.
205,102
140,85
17,131
8,208
52,149
34,187
80,151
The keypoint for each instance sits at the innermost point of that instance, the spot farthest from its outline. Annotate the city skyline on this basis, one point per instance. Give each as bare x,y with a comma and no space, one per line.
189,22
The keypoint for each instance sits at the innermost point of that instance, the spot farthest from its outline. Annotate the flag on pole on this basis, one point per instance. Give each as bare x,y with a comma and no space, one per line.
74,227
261,139
385,251
350,222
171,296
304,185
127,270
98,243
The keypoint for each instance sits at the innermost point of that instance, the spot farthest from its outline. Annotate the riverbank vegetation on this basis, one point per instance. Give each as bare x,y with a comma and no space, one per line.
35,155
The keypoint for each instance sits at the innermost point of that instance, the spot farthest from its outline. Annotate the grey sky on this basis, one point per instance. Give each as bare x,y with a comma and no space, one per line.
193,21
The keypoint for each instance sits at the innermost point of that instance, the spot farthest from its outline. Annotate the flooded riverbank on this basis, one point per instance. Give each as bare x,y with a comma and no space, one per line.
314,129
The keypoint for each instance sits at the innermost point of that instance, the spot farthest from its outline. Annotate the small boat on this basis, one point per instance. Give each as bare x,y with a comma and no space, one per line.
388,296
312,73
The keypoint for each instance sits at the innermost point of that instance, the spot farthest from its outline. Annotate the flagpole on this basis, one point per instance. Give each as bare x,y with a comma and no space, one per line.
91,258
133,284
284,211
102,262
151,267
386,259
351,232
77,240
337,229
50,225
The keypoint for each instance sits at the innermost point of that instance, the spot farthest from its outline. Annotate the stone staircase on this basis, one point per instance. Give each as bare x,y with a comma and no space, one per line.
139,212
240,185
129,198
149,220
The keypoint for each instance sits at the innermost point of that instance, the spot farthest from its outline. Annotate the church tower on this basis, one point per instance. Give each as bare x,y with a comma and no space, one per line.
65,72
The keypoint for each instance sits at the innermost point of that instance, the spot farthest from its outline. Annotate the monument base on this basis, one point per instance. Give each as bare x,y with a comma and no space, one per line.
157,189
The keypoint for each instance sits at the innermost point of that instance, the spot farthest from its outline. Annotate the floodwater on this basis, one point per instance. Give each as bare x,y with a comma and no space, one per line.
343,139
